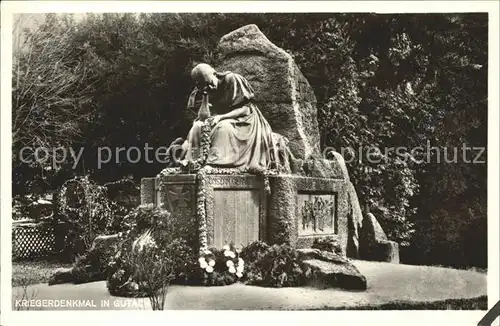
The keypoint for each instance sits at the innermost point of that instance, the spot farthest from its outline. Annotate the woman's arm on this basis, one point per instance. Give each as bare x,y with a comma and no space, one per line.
236,113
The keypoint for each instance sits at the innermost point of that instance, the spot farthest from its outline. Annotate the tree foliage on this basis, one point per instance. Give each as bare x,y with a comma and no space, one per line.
50,91
381,81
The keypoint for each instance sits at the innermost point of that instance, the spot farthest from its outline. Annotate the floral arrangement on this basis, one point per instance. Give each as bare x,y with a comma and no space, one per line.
92,204
144,265
201,211
221,267
196,165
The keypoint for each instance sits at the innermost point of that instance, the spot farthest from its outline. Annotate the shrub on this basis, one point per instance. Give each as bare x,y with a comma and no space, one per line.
278,266
254,251
93,265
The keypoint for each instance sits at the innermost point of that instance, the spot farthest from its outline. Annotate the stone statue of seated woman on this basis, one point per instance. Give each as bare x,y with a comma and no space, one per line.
240,136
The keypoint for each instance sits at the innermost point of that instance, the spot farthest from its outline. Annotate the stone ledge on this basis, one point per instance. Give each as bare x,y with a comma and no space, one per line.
179,178
309,253
307,241
332,270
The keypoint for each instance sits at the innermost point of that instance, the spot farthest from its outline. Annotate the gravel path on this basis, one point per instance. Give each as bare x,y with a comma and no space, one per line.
386,283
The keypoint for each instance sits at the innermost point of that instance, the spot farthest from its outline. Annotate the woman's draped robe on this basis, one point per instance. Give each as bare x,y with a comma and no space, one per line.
244,142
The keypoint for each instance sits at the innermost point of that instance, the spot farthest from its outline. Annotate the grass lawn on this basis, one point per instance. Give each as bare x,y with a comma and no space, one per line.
479,303
33,272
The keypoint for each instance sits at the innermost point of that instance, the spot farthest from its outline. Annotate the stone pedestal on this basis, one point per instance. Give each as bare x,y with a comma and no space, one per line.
297,211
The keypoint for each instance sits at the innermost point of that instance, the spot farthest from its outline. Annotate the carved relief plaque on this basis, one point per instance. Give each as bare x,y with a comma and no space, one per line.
316,214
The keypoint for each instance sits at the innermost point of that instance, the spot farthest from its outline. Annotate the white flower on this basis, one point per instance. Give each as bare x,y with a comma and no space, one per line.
232,270
241,262
239,274
203,264
226,248
239,269
226,253
209,269
232,254
229,263
211,262
201,259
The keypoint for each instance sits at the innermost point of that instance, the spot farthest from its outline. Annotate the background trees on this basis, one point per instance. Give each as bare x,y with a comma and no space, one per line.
122,80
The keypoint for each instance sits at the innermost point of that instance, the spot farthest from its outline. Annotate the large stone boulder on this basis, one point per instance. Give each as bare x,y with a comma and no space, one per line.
282,93
331,270
73,274
344,276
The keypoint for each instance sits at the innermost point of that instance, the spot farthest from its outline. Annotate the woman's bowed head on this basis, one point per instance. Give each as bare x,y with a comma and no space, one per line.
239,133
205,78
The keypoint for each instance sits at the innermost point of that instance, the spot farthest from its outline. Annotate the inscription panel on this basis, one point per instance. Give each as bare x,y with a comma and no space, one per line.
235,216
316,214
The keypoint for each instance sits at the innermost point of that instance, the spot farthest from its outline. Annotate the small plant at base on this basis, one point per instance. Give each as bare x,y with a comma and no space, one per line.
26,295
153,269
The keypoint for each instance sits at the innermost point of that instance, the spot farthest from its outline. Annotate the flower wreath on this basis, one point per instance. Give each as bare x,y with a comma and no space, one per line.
95,216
